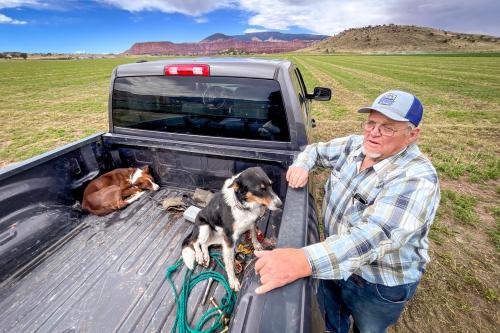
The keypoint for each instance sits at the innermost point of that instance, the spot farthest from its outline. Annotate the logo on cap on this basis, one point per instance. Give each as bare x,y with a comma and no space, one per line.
387,99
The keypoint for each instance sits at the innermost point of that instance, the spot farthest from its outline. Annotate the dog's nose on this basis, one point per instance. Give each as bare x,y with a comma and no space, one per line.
278,203
275,203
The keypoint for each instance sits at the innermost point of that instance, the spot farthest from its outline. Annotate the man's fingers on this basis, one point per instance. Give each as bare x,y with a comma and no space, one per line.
293,179
258,265
259,254
268,287
291,174
265,278
303,182
300,179
261,261
266,269
296,176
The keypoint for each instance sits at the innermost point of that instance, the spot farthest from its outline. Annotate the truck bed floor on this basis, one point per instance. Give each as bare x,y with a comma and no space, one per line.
109,277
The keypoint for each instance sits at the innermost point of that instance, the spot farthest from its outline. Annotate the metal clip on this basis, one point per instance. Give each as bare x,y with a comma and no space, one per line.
224,319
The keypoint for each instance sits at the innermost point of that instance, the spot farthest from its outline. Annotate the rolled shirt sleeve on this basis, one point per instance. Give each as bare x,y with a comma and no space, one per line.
322,154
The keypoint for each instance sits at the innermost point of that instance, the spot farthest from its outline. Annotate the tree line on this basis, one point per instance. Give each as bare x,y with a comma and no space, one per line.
10,55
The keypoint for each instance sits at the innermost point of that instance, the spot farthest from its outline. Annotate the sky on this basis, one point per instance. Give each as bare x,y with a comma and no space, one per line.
113,26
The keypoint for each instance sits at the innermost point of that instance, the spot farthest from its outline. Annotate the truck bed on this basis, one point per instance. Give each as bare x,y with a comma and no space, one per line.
106,275
65,271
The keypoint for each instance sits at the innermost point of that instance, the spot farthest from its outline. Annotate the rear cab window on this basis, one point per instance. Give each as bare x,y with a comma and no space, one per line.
231,107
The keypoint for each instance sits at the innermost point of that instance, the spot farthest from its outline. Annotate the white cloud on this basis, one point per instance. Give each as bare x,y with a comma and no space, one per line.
323,16
187,7
332,16
7,20
201,20
250,30
17,3
21,3
39,4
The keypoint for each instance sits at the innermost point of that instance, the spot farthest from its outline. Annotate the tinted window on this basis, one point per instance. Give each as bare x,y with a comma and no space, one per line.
215,106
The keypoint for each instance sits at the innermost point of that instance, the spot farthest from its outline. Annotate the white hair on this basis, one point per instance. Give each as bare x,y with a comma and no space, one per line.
373,156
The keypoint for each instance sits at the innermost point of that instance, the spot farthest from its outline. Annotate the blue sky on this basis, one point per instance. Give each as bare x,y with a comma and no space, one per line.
112,26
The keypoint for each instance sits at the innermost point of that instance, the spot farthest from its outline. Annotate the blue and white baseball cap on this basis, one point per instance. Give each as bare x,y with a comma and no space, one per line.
397,105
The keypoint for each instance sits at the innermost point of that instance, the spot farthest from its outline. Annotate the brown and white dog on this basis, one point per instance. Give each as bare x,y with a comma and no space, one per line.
117,189
230,213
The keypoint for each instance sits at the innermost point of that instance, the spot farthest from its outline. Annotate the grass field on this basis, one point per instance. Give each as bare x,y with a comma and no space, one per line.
461,96
44,104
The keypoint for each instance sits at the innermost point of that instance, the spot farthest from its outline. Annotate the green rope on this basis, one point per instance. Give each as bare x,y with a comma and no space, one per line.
182,297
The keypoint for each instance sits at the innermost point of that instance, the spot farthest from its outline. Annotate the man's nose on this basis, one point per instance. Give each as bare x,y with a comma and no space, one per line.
375,131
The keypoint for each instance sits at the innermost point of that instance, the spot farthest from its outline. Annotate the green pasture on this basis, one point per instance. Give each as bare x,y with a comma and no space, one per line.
47,103
461,97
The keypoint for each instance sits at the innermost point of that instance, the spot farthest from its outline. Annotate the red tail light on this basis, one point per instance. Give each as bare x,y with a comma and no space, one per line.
187,70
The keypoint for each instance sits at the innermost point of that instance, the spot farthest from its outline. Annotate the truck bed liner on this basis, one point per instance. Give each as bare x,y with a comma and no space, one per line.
109,276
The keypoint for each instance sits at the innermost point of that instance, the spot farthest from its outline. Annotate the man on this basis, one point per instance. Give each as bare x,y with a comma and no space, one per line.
380,201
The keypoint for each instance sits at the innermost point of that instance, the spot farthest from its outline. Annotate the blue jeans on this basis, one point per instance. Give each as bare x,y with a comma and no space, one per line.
373,307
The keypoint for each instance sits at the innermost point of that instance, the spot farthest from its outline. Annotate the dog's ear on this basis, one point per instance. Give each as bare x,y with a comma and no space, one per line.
235,184
145,168
258,169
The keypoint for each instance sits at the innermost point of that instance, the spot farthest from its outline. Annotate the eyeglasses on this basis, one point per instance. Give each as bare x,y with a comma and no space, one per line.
384,129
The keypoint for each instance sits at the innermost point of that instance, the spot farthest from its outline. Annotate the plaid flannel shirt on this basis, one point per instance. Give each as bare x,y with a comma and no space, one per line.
376,221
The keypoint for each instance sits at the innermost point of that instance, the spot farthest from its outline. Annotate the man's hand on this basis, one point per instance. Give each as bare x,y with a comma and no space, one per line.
296,176
280,267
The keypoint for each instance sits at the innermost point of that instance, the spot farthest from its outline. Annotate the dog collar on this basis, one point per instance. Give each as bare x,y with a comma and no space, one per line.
238,204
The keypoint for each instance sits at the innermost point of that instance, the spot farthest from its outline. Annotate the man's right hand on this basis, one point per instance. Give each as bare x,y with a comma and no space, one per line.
297,176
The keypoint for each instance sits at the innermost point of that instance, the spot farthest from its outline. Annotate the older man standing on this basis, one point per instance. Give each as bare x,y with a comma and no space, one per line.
380,201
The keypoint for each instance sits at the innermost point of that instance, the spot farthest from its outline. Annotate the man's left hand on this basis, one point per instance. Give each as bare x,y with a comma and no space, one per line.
280,267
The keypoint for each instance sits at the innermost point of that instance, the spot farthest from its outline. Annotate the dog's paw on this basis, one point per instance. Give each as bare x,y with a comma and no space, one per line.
189,265
257,247
134,197
199,258
234,284
206,260
188,256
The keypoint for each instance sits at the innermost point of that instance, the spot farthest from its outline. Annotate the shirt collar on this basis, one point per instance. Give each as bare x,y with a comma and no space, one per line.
392,160
358,155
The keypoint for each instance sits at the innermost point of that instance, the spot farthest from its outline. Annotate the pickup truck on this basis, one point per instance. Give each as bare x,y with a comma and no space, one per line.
195,123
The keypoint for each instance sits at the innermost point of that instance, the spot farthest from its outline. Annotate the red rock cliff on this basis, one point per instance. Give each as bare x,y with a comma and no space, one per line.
217,46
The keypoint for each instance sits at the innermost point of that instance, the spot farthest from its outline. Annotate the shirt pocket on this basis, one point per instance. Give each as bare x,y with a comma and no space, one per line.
367,192
365,196
354,212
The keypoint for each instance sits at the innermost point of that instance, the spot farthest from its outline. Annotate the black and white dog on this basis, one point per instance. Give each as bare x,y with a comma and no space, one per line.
229,214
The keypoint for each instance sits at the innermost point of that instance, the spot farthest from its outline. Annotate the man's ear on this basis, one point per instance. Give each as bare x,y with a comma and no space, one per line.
414,135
